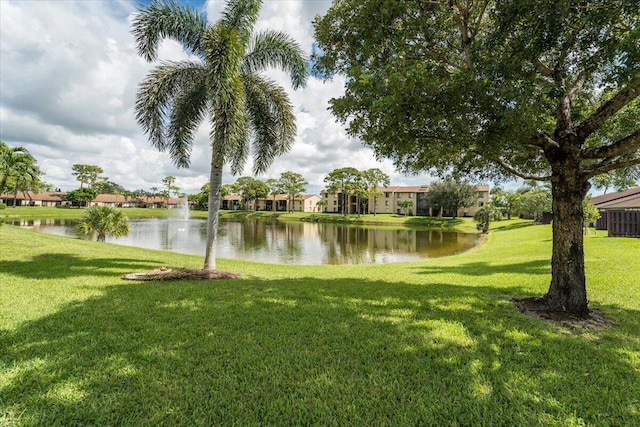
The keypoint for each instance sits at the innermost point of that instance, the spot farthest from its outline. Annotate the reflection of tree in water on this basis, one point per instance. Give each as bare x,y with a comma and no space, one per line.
405,240
347,244
265,237
293,234
351,245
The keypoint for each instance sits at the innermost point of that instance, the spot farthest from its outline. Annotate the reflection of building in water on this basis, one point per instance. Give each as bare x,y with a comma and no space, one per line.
310,231
349,245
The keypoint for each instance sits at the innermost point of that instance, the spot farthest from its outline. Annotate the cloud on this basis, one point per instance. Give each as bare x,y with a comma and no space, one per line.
68,78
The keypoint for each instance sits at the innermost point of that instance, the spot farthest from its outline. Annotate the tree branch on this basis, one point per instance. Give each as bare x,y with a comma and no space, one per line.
518,173
608,165
478,21
625,145
542,68
542,140
576,87
608,109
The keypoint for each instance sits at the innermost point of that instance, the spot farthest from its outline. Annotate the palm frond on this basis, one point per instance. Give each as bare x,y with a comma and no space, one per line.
167,19
278,50
157,96
223,51
242,15
189,109
229,133
272,120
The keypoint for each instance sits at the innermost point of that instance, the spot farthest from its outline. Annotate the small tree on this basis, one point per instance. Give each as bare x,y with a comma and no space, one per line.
17,166
104,221
110,187
88,174
485,215
405,205
292,184
342,181
250,189
322,205
504,200
533,201
374,178
591,212
81,196
168,181
451,195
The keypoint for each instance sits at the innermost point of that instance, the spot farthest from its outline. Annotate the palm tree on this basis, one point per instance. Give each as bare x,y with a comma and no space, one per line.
104,221
12,161
222,84
26,176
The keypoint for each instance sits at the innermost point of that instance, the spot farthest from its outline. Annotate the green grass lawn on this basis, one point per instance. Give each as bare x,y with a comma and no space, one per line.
436,342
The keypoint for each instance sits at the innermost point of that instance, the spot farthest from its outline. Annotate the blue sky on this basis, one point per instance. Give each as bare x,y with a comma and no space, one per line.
68,77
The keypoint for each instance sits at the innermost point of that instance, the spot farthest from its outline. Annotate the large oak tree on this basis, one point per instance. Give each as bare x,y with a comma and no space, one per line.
539,89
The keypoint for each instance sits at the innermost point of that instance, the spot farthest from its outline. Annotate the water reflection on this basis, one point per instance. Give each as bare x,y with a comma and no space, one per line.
272,241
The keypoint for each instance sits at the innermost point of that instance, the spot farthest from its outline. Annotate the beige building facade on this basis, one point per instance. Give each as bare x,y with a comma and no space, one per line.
275,203
391,201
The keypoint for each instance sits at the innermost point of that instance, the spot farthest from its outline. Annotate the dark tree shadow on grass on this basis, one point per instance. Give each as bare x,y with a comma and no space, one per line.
65,265
483,268
312,351
498,227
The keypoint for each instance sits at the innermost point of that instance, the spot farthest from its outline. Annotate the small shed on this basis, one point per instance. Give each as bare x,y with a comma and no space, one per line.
619,213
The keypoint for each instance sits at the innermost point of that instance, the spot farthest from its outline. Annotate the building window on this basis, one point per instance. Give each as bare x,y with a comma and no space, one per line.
410,195
399,195
386,195
386,203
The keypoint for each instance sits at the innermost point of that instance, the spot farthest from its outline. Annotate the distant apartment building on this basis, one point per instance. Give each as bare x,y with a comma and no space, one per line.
274,203
391,198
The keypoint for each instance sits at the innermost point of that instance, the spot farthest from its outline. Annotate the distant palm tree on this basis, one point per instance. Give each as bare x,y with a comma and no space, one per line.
221,84
13,162
104,221
26,176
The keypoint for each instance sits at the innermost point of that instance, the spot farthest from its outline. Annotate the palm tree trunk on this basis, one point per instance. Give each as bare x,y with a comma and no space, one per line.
15,195
215,184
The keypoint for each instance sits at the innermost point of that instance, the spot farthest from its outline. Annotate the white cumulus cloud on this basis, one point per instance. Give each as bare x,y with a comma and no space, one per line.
68,78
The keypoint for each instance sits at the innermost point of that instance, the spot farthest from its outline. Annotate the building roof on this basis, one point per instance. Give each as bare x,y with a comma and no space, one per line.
60,196
50,196
626,199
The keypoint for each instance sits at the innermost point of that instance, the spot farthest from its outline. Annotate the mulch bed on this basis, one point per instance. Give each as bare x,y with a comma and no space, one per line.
537,307
167,274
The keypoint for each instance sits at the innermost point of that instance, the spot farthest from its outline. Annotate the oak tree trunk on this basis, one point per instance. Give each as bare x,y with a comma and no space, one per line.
567,292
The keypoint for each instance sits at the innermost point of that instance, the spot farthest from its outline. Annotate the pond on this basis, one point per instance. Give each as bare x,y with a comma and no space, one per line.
273,241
